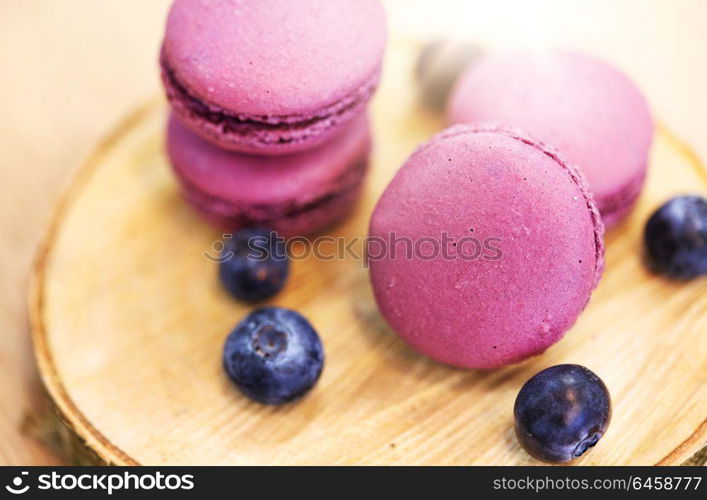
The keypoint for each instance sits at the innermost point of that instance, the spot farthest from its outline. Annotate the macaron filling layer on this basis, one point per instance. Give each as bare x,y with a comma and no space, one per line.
238,214
262,130
307,219
617,205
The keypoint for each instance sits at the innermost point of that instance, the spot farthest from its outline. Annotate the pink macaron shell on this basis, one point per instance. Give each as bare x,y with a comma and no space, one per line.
595,116
238,189
509,193
291,72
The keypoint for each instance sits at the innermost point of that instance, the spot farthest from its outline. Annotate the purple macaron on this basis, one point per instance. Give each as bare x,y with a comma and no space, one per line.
294,194
586,108
494,246
270,76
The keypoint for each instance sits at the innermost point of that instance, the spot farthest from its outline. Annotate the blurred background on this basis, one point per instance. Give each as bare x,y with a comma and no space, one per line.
73,68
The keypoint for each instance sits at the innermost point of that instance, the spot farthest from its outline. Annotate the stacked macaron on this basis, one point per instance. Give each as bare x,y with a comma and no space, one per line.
268,98
547,149
591,112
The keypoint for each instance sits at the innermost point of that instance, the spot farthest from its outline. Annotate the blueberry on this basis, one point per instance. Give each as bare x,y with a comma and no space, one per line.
676,238
561,412
273,356
254,264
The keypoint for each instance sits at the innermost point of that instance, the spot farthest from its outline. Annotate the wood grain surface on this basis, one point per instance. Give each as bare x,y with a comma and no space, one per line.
74,67
129,322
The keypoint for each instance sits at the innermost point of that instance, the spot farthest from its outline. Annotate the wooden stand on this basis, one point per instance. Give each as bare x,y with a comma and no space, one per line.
129,320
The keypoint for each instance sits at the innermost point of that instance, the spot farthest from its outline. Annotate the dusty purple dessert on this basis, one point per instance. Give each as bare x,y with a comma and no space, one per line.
273,94
294,194
590,111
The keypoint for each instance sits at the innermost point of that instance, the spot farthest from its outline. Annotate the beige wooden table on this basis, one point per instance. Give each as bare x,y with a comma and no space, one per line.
73,68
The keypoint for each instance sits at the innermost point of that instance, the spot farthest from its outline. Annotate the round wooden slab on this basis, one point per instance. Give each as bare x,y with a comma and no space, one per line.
129,321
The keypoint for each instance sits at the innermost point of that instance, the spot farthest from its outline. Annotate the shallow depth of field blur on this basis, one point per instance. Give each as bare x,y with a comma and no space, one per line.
74,68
